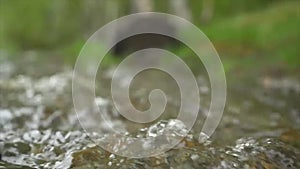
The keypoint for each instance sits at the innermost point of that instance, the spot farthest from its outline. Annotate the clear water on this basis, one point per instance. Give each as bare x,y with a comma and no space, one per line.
39,128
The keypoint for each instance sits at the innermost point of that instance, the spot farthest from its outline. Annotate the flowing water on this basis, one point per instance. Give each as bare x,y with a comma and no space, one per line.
260,127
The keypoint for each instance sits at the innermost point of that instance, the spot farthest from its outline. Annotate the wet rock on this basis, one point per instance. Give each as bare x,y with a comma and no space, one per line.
291,136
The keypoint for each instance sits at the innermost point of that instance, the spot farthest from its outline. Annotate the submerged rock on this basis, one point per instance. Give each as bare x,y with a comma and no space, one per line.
74,149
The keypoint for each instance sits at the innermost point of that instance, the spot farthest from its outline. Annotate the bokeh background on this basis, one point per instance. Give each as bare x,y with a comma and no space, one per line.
247,34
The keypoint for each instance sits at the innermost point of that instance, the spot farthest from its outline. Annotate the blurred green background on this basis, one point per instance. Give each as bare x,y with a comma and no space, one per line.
256,34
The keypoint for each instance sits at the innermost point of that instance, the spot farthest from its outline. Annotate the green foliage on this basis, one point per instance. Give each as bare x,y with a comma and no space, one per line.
271,34
243,31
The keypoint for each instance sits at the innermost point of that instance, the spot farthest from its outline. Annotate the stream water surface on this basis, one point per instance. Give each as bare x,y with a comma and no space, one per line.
39,128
